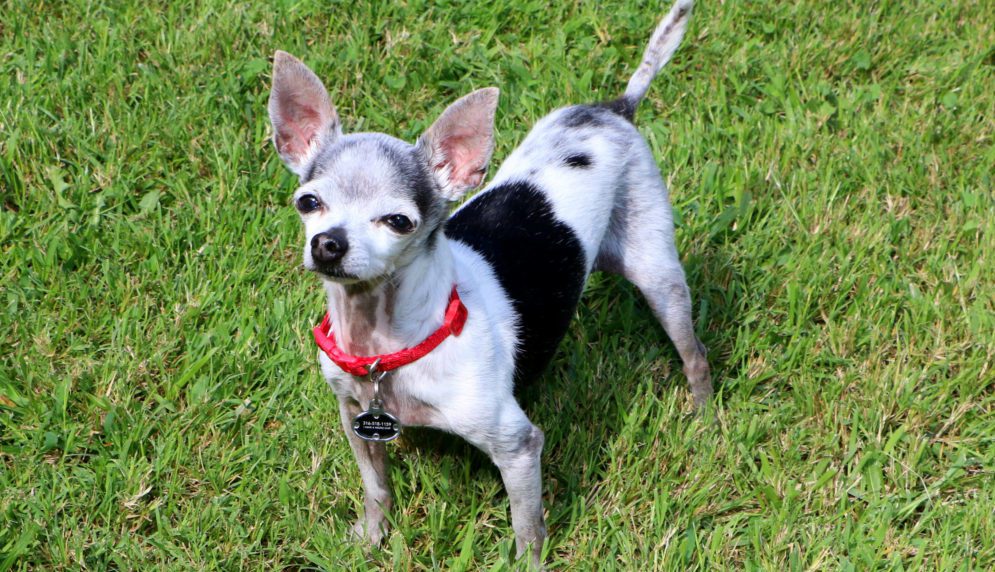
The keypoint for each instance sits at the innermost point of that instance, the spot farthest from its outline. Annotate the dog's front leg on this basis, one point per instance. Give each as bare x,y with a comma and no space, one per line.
372,460
518,457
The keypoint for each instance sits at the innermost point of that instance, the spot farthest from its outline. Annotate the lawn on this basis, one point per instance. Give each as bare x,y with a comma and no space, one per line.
832,167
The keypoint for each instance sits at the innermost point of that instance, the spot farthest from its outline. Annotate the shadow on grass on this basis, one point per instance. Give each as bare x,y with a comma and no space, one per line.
582,398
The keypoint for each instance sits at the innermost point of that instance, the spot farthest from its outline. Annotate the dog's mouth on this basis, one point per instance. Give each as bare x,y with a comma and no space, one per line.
334,273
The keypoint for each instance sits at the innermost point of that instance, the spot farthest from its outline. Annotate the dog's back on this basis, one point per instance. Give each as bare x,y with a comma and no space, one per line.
541,221
558,207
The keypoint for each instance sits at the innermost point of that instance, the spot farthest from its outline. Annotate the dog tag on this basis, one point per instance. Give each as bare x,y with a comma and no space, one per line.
375,424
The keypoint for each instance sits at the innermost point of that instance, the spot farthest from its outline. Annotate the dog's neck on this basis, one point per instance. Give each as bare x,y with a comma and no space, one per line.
397,312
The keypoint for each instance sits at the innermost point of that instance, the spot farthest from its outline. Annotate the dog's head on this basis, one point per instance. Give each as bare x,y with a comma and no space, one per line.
369,202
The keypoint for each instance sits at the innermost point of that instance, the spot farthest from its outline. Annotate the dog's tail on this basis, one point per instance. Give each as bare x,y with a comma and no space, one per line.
661,48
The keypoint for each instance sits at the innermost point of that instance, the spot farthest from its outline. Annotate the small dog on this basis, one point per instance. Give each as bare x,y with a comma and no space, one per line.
457,309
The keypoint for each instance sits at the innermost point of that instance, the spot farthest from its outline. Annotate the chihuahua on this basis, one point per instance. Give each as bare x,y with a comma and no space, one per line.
433,318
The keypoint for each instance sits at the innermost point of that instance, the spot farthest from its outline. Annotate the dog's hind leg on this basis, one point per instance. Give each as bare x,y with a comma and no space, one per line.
640,246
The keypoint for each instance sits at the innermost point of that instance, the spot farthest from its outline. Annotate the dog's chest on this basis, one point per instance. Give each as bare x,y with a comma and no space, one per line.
410,408
538,260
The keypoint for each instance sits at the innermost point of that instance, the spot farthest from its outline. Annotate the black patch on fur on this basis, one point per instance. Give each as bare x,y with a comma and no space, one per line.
432,238
430,205
414,170
599,114
538,260
622,106
583,116
580,161
610,256
310,173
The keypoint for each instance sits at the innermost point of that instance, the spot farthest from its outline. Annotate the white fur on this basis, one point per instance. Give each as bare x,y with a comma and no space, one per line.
468,378
465,385
617,206
581,198
373,247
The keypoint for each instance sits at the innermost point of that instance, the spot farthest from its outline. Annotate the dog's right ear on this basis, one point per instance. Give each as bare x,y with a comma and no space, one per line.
302,114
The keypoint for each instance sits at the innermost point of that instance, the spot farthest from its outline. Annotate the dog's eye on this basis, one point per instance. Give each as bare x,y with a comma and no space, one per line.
399,223
307,203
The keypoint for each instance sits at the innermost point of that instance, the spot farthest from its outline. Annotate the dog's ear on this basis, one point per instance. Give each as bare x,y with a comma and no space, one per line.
458,145
301,112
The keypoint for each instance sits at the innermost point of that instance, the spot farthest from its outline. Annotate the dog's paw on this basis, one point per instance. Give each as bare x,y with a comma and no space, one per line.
371,533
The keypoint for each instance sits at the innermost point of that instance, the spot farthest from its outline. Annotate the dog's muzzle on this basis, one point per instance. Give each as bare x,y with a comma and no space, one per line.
328,248
327,251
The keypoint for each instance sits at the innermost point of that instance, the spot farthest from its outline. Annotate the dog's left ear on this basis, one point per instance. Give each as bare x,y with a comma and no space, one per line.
458,145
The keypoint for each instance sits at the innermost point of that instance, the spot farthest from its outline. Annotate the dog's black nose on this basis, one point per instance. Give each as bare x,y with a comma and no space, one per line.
329,247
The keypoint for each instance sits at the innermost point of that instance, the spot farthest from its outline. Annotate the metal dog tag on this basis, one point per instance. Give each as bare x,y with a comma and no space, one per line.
375,424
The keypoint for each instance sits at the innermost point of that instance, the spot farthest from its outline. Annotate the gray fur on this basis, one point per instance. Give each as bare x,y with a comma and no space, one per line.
662,45
640,246
410,173
584,116
372,461
602,181
521,472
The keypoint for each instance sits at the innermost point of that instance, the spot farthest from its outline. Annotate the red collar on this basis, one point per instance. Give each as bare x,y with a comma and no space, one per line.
456,315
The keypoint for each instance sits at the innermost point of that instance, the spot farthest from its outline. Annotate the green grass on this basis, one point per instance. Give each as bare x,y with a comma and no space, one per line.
832,166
